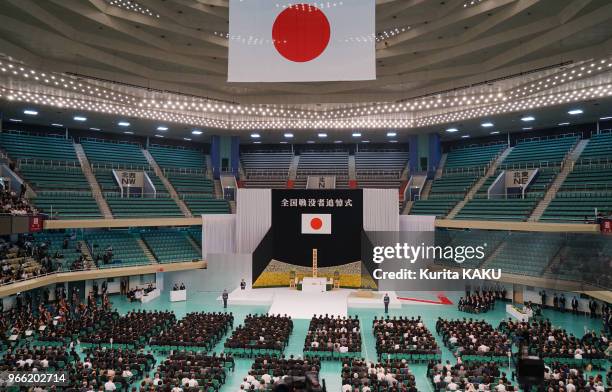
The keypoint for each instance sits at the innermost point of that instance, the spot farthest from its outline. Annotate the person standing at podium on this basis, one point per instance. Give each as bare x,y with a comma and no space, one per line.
225,296
386,301
242,284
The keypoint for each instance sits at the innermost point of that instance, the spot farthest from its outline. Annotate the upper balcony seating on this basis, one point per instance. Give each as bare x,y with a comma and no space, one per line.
540,152
323,162
125,248
66,205
143,207
178,159
196,234
445,193
380,169
54,178
190,183
206,204
598,148
587,187
268,169
116,155
22,146
525,253
473,156
170,246
498,209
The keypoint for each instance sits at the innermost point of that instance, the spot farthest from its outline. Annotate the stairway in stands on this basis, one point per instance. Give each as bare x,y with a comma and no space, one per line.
146,250
93,183
566,169
171,191
476,187
439,171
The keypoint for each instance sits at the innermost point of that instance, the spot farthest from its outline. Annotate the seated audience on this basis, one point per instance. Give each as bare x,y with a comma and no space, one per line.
261,332
196,329
472,337
403,335
333,334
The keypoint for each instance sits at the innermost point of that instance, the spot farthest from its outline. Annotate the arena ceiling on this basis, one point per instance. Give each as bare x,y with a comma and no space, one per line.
438,62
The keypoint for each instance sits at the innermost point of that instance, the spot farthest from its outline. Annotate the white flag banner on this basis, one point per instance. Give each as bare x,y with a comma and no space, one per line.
316,223
307,41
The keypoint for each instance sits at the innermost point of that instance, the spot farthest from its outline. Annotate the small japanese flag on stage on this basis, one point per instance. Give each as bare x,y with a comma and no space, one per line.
316,223
301,41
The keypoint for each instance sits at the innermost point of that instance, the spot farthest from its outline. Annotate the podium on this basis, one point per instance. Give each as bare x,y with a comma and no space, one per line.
178,295
150,296
314,285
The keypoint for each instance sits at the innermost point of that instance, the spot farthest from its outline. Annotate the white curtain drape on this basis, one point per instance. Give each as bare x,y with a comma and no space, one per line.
218,234
380,210
417,223
253,218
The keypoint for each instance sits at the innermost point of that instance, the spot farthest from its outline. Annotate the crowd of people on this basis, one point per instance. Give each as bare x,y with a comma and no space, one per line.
196,329
188,371
134,328
390,375
469,377
561,377
473,337
477,302
270,371
403,335
333,334
13,203
269,332
548,341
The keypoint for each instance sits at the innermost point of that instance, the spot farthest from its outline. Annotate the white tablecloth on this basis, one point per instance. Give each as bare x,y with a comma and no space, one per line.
314,284
150,296
523,317
178,295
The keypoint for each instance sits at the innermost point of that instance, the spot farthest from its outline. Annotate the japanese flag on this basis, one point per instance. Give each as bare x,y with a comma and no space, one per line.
316,223
297,41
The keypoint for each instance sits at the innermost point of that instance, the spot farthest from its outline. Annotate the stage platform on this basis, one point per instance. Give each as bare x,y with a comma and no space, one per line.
303,305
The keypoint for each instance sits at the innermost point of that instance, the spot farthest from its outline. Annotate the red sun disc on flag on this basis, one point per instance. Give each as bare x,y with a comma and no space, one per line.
301,33
316,223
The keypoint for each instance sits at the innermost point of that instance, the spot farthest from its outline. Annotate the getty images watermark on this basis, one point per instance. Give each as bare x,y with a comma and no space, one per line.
444,255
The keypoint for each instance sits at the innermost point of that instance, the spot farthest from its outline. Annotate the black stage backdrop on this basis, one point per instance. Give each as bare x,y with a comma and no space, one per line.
340,247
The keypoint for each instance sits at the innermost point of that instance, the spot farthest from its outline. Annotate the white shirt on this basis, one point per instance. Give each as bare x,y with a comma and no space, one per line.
452,386
109,386
266,378
347,388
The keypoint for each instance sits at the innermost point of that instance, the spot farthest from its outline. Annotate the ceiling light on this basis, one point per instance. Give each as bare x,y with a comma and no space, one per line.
310,142
465,136
283,142
391,134
337,141
162,128
574,112
527,128
15,120
486,125
452,130
564,123
30,112
94,129
159,135
57,125
495,133
255,136
392,141
606,118
322,135
356,134
79,118
128,132
288,135
187,139
528,118
257,142
196,132
123,124
365,141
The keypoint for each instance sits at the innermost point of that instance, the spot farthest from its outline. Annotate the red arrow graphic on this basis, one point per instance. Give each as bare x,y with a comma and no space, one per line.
443,300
